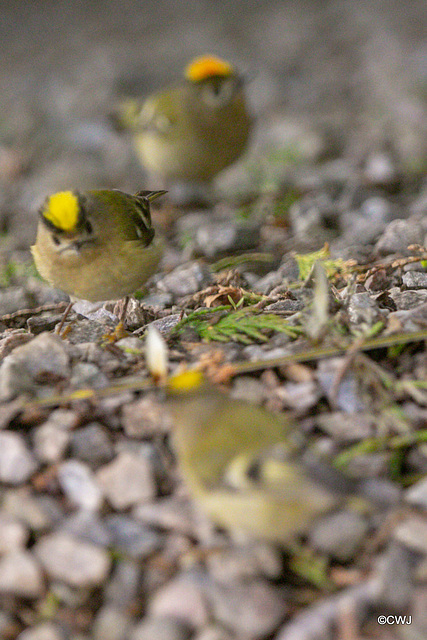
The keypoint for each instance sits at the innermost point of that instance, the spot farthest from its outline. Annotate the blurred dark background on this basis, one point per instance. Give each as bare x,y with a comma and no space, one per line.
341,79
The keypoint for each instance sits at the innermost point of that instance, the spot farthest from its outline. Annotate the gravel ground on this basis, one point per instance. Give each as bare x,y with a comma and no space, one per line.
100,538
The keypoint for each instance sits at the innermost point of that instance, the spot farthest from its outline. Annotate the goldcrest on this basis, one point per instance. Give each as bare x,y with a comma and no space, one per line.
240,467
97,245
191,131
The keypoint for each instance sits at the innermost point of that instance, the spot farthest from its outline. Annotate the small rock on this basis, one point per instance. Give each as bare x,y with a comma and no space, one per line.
111,624
408,299
417,494
241,563
215,238
13,534
347,427
145,417
339,535
20,575
414,280
165,325
52,437
131,537
78,484
172,513
379,169
213,632
87,526
17,463
182,598
413,534
300,396
248,388
37,512
398,235
44,631
44,360
253,609
124,583
362,309
92,444
395,577
13,299
127,480
86,374
156,627
347,397
77,563
186,280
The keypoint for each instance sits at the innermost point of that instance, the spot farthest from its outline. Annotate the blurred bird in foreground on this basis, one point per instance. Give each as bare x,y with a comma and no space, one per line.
239,463
190,131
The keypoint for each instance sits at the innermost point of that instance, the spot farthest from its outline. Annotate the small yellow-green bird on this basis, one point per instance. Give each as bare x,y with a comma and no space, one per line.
240,467
97,245
189,132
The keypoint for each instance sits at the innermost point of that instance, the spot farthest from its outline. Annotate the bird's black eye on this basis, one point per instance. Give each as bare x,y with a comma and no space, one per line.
88,227
56,240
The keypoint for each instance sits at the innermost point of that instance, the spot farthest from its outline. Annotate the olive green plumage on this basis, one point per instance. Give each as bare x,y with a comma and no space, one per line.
193,130
97,245
241,468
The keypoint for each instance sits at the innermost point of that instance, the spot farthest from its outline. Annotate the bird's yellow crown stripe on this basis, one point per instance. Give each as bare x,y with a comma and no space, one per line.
206,67
62,210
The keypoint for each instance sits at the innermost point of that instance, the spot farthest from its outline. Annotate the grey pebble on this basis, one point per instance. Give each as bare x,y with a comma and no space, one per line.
182,598
412,533
91,444
21,575
171,513
131,537
408,299
214,238
362,309
111,624
44,360
186,280
79,485
88,526
145,417
86,374
13,533
127,480
253,609
398,235
347,397
156,627
411,320
417,494
123,585
14,298
213,632
165,325
249,389
37,512
237,563
339,535
17,463
347,427
52,437
395,576
414,280
44,631
68,559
